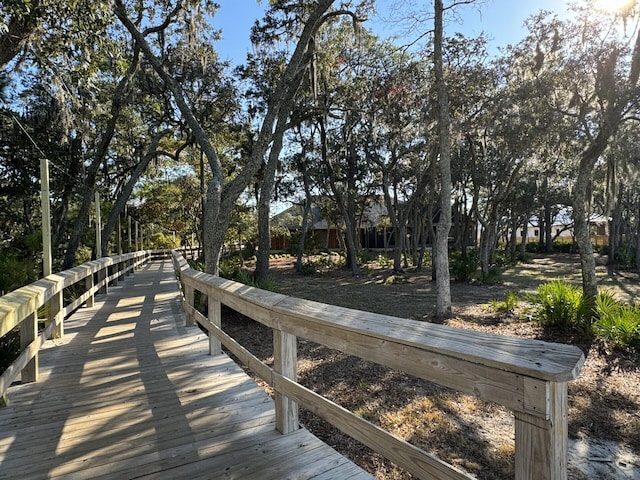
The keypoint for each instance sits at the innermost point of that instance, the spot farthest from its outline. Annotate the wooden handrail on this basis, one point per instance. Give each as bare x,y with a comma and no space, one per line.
527,376
20,307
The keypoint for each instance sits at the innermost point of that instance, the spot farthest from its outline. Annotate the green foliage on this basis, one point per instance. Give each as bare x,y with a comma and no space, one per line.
15,272
396,279
9,349
364,257
384,261
83,254
561,306
162,241
617,324
309,268
558,247
463,269
506,306
492,278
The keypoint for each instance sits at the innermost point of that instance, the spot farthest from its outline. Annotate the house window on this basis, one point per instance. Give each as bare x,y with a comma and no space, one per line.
535,233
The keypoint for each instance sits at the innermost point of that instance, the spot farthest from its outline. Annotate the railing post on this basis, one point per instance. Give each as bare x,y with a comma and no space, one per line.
88,284
121,266
103,273
541,444
28,333
285,355
188,299
55,314
215,317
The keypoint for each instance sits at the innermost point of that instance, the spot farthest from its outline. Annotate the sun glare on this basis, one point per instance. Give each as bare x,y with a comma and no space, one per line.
614,5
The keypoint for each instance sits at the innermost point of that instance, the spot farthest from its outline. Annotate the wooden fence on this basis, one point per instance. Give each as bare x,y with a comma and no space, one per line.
20,307
527,376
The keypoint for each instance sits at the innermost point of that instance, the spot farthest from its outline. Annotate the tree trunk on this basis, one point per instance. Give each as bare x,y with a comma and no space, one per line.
443,287
117,103
581,223
547,220
638,242
614,230
513,242
308,200
221,197
525,228
123,197
264,202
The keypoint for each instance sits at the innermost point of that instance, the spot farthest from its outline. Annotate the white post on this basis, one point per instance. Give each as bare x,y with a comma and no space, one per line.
46,216
98,227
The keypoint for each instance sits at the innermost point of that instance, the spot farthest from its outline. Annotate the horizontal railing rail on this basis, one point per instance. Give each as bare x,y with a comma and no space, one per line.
19,308
527,376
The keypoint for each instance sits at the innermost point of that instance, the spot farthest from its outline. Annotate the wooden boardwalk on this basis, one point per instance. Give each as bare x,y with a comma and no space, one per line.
131,393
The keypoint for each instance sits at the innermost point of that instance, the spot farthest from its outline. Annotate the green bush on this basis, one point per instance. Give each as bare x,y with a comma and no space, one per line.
309,268
384,261
15,272
506,306
561,305
618,324
463,269
493,277
161,241
364,256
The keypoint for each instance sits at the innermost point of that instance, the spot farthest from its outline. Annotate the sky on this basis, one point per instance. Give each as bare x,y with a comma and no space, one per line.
501,20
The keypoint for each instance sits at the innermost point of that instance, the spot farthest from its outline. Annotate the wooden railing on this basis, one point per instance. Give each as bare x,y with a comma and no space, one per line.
20,307
527,376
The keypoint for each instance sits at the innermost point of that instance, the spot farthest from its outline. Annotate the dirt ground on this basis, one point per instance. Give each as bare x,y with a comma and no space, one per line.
604,402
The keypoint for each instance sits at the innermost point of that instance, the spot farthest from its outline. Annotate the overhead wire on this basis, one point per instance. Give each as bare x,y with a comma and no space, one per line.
35,144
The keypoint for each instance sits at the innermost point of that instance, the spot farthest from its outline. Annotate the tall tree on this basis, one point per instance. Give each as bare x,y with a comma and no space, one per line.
594,69
441,245
221,194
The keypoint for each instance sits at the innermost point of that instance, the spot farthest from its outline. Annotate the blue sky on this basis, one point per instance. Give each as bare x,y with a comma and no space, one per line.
502,20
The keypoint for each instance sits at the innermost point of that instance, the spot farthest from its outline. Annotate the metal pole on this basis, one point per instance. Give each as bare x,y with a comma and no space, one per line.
46,216
98,227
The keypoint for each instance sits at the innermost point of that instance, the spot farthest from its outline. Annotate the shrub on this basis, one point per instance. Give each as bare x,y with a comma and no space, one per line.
161,241
494,276
506,306
462,268
561,305
617,324
308,268
384,261
364,256
15,272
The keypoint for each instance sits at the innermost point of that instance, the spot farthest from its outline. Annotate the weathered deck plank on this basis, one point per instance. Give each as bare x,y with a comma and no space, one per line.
131,393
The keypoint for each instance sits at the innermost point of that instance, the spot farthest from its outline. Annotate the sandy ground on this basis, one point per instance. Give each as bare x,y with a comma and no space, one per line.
604,402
